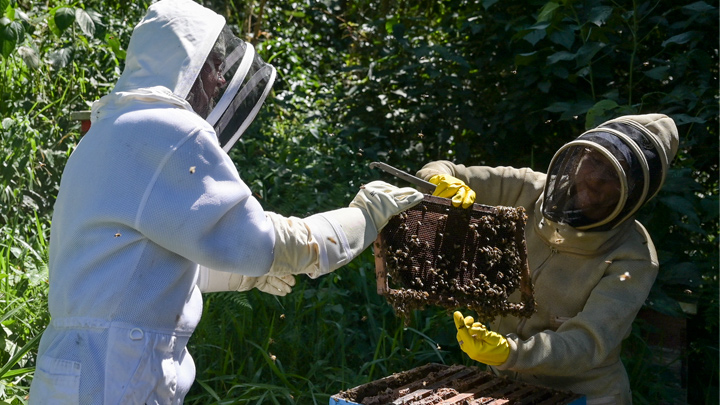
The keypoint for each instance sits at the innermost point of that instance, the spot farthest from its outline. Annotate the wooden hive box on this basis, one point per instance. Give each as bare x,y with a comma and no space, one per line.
452,385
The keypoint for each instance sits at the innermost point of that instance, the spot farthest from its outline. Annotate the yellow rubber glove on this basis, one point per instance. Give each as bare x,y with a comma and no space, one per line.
479,343
451,187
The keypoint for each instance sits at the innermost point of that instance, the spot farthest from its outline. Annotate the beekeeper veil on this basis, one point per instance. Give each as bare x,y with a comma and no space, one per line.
231,87
185,55
604,176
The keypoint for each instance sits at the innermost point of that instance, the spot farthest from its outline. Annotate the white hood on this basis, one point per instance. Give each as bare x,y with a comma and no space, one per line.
167,49
167,52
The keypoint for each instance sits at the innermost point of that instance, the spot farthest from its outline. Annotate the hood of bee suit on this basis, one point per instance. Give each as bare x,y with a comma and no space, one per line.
603,177
172,48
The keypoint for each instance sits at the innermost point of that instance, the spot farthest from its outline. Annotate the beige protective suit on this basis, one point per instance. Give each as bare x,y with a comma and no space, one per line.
589,285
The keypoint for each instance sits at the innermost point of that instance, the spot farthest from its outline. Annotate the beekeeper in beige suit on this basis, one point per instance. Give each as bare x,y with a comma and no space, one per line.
592,264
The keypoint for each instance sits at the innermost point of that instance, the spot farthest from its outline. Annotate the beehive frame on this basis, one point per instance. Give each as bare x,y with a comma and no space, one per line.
437,254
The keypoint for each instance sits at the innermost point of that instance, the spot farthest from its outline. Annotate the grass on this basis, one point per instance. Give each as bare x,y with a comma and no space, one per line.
328,335
23,297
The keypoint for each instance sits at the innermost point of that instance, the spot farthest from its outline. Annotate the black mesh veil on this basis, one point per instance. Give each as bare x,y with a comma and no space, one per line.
586,186
247,82
602,178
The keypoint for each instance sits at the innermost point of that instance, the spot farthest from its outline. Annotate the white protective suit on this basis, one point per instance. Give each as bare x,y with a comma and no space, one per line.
151,211
588,284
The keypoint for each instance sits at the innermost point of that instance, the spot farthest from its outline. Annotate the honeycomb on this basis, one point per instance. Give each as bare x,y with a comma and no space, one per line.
437,254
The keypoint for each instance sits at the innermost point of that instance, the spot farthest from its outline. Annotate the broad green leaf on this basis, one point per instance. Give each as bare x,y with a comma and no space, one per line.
683,38
390,23
535,36
87,25
560,72
449,55
114,44
565,38
587,52
599,15
685,273
680,180
7,123
540,25
699,7
558,56
295,13
681,205
399,93
525,59
29,56
4,22
709,207
64,17
398,31
3,6
21,16
663,303
97,22
627,15
560,106
62,57
681,119
577,108
10,35
19,30
658,73
597,113
547,12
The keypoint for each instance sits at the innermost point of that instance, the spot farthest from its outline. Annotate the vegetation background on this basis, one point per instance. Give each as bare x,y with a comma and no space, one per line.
404,82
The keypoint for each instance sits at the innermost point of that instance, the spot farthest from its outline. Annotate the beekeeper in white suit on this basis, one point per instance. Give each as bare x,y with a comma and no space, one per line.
151,211
591,263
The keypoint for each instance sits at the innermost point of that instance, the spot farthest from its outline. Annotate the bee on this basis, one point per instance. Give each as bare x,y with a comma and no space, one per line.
625,276
192,169
282,316
117,235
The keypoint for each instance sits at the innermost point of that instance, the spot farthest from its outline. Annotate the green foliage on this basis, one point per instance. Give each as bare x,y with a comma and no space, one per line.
405,82
54,61
250,355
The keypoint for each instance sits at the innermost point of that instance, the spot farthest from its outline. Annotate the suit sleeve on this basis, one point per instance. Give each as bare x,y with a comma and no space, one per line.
197,206
586,340
503,185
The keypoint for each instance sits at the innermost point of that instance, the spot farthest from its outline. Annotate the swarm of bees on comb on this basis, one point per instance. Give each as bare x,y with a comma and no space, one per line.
437,254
